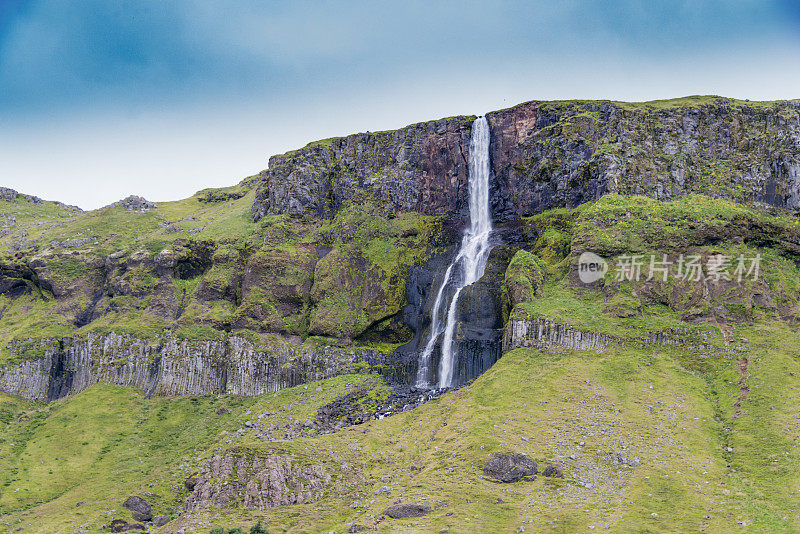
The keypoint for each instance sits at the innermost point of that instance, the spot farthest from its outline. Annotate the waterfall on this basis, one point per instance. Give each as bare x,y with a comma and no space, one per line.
468,265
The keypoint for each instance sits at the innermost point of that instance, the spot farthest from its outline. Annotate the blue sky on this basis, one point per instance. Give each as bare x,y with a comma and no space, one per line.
101,99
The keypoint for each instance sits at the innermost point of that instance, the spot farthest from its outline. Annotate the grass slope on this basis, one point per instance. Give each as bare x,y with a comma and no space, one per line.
674,410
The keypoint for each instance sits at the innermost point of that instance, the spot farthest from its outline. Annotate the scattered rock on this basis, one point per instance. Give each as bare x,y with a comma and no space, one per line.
358,406
384,489
221,411
554,470
160,520
619,458
510,467
71,243
409,509
140,508
356,528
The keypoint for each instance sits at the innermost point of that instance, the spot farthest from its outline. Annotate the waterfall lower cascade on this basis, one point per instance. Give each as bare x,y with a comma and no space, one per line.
468,265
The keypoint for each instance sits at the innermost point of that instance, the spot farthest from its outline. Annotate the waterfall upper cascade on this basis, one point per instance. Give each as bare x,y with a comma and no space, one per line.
466,268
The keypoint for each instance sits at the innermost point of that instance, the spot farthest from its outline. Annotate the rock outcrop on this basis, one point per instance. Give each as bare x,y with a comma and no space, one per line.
10,195
422,167
354,234
172,366
137,204
562,154
546,334
262,481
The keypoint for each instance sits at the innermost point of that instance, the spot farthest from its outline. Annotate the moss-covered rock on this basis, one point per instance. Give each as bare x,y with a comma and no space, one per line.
523,281
276,287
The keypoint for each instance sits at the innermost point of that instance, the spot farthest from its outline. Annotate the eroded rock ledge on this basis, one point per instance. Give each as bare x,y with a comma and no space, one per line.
172,366
547,334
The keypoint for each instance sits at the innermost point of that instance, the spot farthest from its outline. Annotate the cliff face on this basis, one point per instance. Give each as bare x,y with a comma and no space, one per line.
423,168
554,154
172,366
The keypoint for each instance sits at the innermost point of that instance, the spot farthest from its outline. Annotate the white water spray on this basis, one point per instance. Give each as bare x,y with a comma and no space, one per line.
470,262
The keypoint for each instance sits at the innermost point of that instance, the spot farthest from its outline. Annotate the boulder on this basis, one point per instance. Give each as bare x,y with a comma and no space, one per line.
160,520
120,525
554,470
510,467
190,482
409,509
140,508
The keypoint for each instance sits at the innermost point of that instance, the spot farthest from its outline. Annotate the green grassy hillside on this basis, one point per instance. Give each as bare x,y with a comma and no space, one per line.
703,465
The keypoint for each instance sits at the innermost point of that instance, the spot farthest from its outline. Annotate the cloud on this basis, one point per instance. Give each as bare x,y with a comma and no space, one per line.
61,54
168,95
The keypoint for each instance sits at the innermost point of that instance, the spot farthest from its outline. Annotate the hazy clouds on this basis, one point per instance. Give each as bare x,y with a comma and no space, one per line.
101,99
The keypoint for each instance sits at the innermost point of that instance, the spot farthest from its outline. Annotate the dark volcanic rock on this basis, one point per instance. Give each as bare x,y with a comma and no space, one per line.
190,482
160,520
140,508
554,470
120,525
549,154
359,406
422,167
510,467
478,338
216,196
409,509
